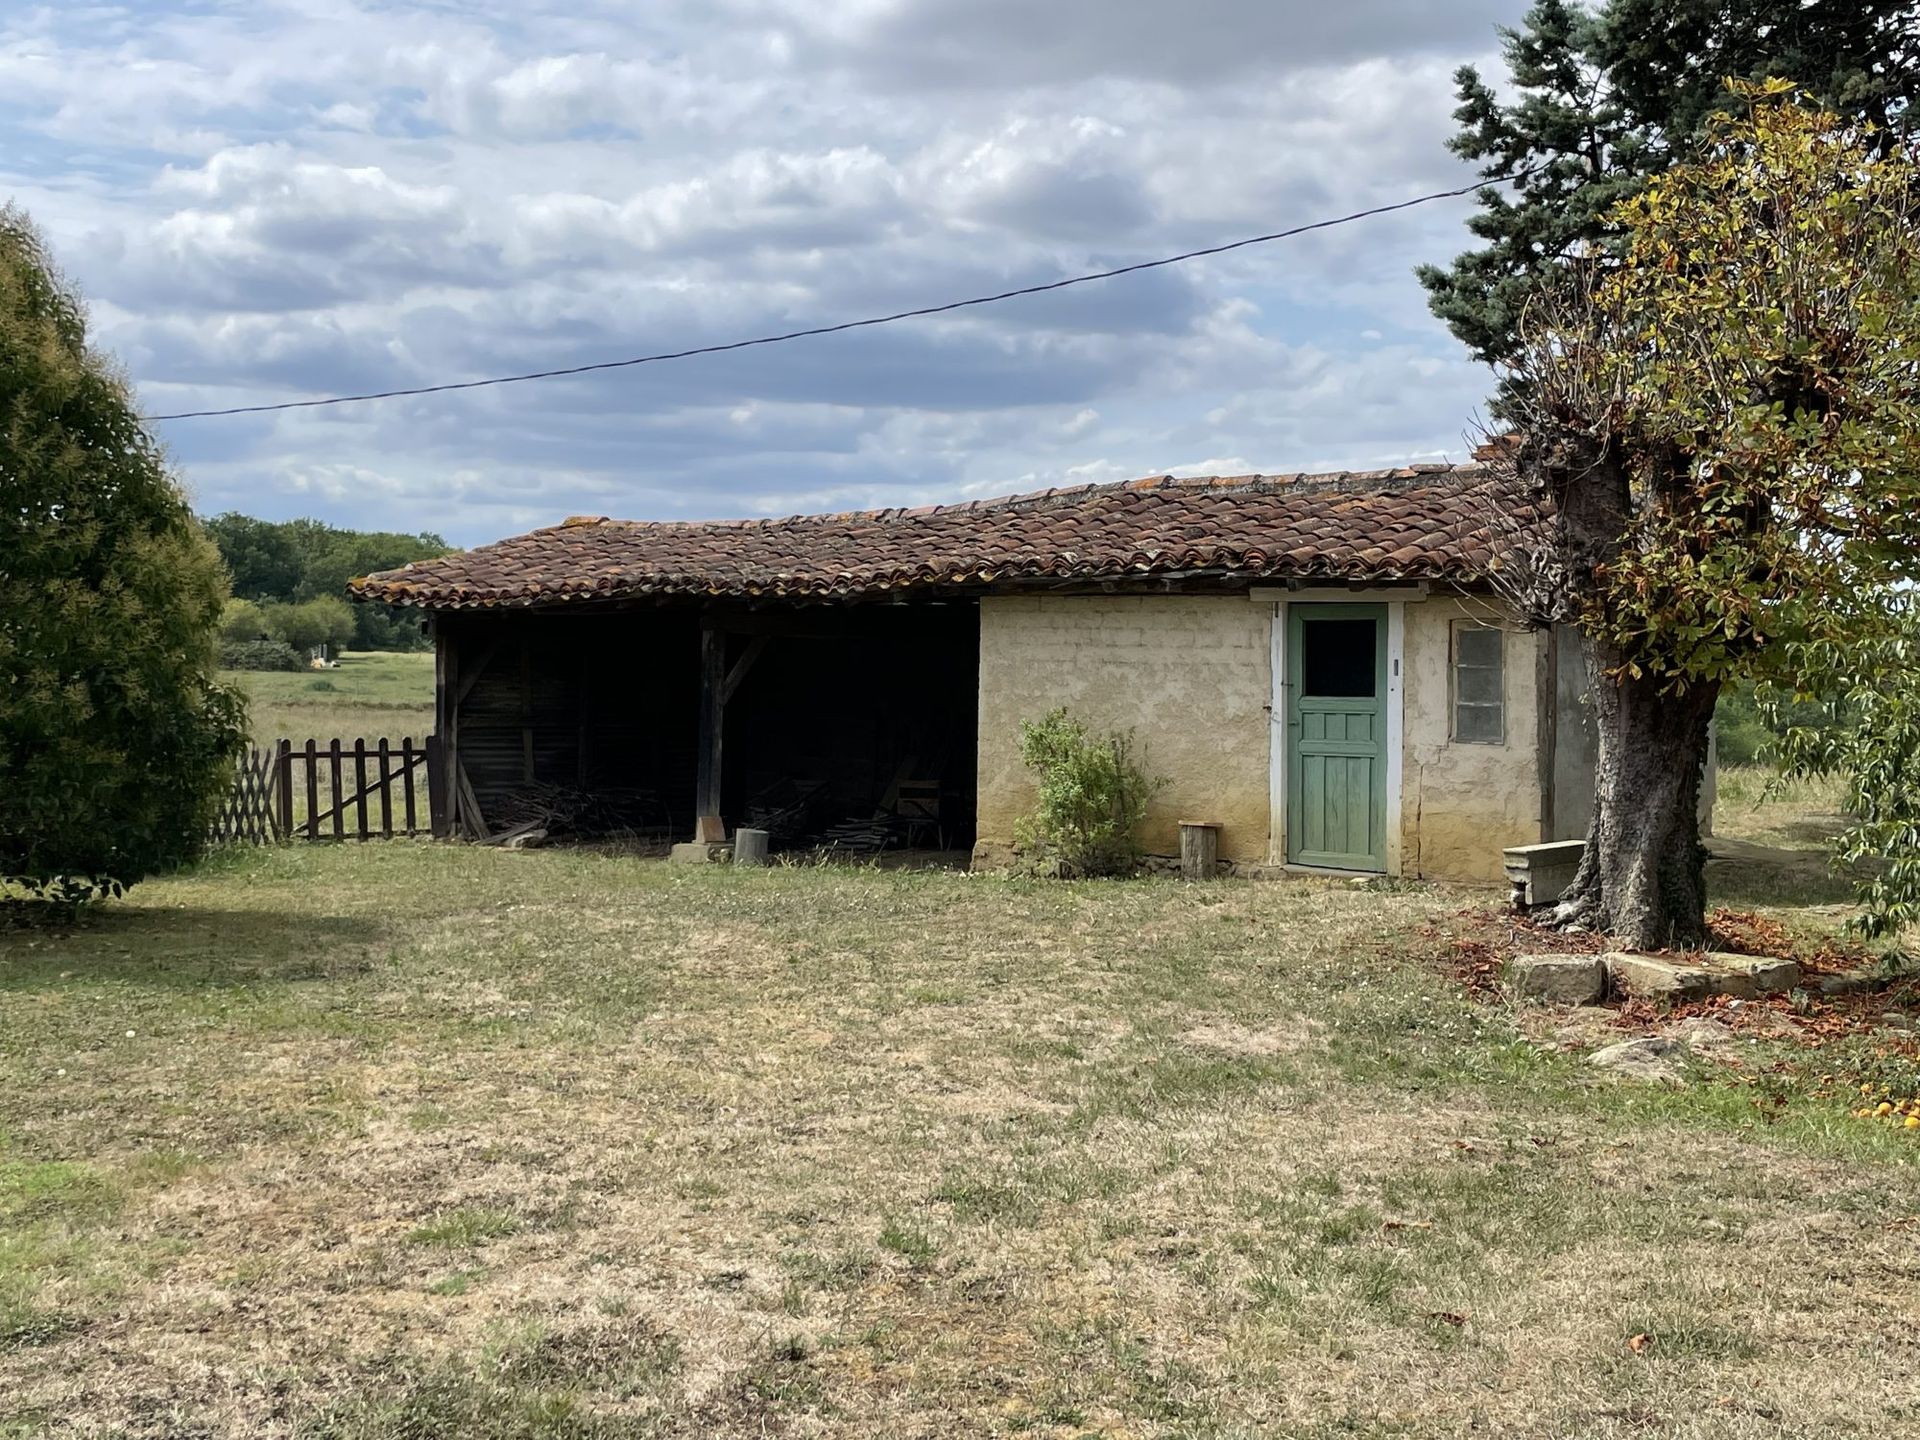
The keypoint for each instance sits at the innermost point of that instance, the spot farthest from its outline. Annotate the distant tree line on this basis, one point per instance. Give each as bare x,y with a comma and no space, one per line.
289,589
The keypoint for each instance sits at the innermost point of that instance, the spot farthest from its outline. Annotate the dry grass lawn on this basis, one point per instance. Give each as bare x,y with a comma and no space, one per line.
411,1141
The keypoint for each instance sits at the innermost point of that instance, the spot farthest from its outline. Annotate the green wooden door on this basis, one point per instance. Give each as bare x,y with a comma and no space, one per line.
1337,736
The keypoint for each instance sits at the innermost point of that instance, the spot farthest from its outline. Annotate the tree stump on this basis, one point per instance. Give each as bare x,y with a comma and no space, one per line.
750,847
1199,849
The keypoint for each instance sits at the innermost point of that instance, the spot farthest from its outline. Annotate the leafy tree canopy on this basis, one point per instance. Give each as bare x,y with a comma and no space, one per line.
295,562
1725,414
1601,99
116,740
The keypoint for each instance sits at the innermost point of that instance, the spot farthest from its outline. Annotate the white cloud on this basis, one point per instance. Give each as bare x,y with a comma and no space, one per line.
310,196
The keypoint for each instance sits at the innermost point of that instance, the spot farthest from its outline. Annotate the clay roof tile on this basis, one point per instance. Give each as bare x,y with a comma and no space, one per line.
1414,522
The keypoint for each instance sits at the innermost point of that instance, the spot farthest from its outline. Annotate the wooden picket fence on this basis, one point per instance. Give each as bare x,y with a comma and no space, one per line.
329,791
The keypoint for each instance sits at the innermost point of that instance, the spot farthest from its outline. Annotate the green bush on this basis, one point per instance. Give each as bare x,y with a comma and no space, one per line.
1093,796
241,621
260,655
116,737
311,624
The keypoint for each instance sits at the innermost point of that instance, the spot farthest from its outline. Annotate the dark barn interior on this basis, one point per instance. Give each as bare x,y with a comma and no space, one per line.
846,726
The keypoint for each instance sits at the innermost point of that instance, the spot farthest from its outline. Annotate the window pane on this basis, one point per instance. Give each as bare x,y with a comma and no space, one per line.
1477,723
1337,658
1479,656
1477,645
1478,687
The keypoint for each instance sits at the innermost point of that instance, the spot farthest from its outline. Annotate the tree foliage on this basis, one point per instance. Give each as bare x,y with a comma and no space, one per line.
116,739
1092,797
1602,99
1724,410
294,562
1875,681
1751,363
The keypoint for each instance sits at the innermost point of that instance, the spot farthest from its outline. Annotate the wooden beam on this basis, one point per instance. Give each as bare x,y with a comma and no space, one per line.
713,710
441,772
741,667
471,820
472,671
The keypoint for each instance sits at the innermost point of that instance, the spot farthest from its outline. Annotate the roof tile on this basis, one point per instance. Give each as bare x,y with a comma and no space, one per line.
1417,522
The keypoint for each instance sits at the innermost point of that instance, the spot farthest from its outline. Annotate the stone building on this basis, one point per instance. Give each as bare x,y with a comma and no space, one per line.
1315,663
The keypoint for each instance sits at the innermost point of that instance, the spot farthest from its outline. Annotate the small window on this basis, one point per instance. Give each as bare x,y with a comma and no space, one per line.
1479,685
1337,659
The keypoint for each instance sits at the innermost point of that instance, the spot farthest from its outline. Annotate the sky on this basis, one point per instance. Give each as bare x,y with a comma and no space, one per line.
279,199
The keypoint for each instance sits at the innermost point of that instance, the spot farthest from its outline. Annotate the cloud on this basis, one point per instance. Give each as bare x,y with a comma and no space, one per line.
991,44
302,197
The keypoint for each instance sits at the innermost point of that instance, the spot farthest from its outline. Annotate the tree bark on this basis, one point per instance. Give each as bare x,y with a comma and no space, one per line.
1642,877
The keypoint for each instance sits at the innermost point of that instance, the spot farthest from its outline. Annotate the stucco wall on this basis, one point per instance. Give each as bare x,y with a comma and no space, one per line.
1461,804
1189,675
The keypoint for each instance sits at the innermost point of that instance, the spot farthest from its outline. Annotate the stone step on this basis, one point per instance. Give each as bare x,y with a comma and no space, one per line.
1743,977
1584,979
1558,979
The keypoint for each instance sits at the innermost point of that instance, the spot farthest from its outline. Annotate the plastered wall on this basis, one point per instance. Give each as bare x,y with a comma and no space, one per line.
1461,804
1189,675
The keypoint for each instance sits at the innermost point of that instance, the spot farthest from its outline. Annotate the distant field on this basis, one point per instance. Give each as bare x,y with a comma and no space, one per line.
372,695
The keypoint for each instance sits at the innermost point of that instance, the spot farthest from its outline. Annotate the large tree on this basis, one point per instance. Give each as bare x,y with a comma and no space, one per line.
1600,99
116,741
298,561
1723,408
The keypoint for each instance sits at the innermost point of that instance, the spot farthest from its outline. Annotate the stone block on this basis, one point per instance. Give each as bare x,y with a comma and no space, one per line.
1650,1059
1540,874
698,852
1748,977
1557,979
1645,977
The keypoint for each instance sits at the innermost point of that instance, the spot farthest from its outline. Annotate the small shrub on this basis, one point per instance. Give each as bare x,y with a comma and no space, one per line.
1093,796
260,655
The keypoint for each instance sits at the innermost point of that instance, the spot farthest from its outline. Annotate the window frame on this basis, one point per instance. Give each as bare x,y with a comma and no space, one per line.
1455,665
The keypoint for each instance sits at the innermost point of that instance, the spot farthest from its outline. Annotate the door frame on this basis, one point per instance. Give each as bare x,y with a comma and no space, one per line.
1395,707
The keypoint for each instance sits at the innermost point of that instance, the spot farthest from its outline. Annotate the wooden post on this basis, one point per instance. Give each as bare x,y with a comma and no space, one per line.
1199,849
408,755
386,791
313,790
437,805
444,755
338,791
283,789
713,710
360,784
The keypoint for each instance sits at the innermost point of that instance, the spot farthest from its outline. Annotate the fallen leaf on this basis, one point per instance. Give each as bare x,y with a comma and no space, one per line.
1639,1344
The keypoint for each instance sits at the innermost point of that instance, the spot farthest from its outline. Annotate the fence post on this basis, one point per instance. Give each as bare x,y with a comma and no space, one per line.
360,784
386,791
338,788
408,755
438,817
283,789
313,789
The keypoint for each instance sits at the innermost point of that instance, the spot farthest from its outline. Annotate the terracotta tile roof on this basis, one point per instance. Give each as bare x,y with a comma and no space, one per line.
1420,522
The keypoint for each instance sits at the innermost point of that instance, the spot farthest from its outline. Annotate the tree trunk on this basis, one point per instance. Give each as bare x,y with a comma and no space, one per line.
1642,877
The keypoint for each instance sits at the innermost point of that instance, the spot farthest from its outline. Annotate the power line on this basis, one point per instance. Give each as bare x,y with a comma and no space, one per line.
867,323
